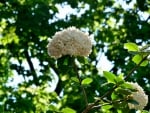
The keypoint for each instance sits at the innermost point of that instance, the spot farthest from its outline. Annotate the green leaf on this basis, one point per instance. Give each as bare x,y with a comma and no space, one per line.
114,96
87,81
68,110
52,108
82,60
137,59
133,102
131,46
119,111
120,79
144,111
126,85
121,76
107,107
75,79
124,110
124,91
111,78
121,105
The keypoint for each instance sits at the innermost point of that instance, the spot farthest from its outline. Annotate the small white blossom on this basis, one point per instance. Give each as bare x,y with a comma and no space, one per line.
70,41
138,96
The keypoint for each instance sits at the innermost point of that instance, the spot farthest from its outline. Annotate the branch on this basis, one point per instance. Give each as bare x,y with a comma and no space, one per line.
31,67
135,68
93,105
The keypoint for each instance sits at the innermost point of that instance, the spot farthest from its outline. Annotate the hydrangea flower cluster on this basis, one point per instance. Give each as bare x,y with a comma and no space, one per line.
138,96
70,41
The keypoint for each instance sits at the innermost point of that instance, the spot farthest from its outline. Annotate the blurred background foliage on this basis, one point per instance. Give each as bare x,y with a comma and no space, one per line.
26,25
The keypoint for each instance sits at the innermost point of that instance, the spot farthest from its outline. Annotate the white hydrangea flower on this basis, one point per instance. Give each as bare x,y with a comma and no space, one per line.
138,96
70,41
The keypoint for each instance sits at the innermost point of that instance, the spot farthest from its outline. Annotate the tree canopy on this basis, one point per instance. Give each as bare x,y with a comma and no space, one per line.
26,26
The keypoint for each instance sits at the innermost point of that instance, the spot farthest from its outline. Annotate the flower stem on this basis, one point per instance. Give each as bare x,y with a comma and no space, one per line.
80,82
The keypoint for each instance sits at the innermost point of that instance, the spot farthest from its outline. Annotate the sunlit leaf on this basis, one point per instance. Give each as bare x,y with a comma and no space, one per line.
120,79
124,110
68,110
107,107
52,108
87,81
110,77
131,46
126,85
119,111
114,96
137,59
144,111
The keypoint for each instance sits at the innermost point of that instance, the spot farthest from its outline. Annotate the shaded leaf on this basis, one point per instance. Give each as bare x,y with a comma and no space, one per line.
75,79
82,60
124,91
133,102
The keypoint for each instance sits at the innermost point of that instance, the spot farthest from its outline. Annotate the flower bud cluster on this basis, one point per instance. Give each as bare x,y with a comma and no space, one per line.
70,41
138,96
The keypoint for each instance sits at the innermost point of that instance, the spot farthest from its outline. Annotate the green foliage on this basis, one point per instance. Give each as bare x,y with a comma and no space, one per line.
139,53
26,25
133,102
138,58
107,107
144,111
75,79
110,77
87,81
68,110
131,47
